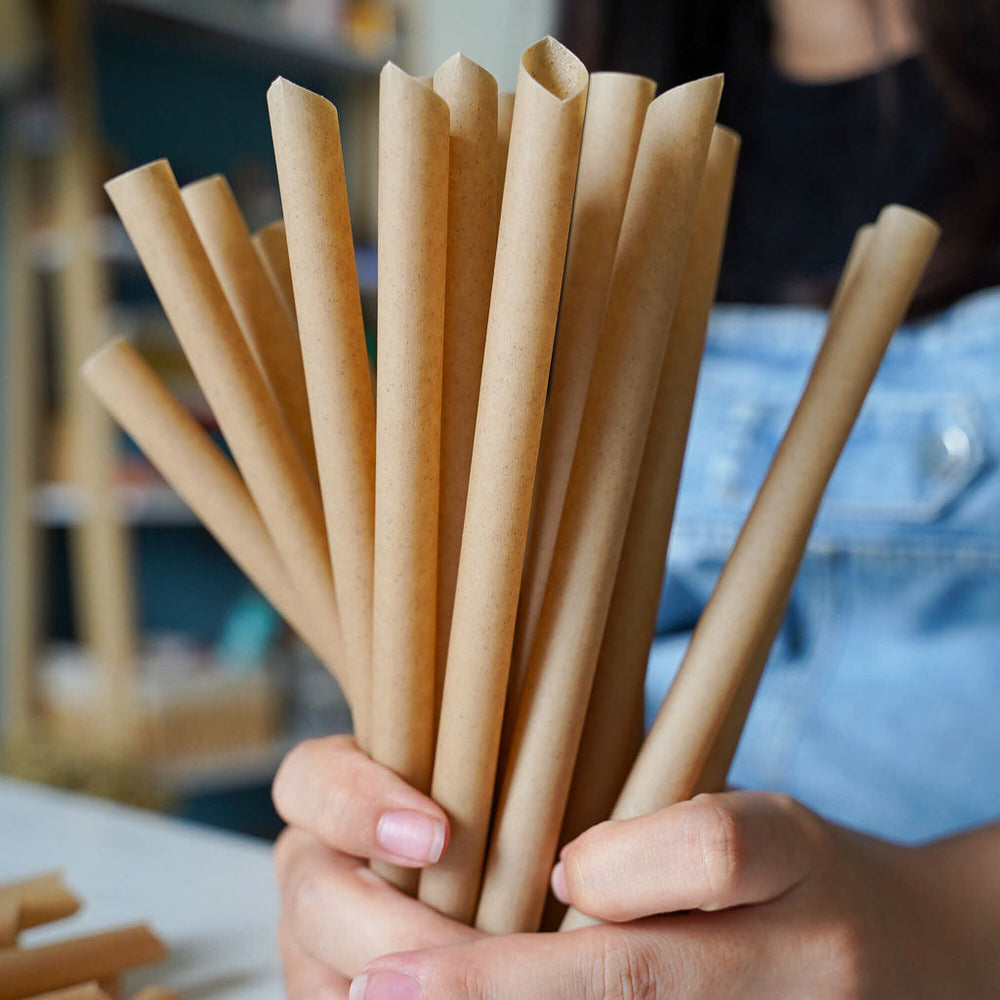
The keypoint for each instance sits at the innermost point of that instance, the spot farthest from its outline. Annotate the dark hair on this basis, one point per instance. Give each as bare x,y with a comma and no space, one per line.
677,40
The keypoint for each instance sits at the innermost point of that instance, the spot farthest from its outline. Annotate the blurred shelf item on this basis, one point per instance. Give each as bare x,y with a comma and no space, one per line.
61,504
202,774
257,29
50,247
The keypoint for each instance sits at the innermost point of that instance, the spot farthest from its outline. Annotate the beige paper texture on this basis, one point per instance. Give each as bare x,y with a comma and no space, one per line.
656,231
151,208
544,153
187,458
505,116
616,109
471,95
258,308
720,758
271,245
614,725
310,166
756,577
27,971
412,239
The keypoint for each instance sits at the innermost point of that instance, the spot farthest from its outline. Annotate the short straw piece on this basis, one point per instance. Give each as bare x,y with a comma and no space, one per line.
505,115
85,991
471,95
27,971
614,725
544,153
616,109
306,133
656,231
10,922
714,773
266,324
150,206
185,455
42,899
756,578
412,240
271,245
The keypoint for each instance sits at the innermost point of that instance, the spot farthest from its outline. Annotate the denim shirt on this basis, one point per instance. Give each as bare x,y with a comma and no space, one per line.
880,705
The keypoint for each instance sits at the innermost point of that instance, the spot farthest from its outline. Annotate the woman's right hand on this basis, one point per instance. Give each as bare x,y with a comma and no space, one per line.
342,810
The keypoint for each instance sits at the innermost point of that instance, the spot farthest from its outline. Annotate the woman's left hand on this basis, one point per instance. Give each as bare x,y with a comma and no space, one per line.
765,900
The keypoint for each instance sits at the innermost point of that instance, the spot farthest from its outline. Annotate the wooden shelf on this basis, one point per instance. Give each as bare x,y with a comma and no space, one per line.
252,29
62,504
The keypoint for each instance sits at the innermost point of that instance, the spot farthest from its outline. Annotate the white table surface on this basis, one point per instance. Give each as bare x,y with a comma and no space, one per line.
210,895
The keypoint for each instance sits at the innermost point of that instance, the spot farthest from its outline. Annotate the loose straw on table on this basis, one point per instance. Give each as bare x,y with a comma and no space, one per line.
614,723
85,991
531,250
151,208
27,971
262,315
412,239
616,108
471,95
713,774
755,579
656,231
10,922
184,454
42,899
505,115
307,150
271,245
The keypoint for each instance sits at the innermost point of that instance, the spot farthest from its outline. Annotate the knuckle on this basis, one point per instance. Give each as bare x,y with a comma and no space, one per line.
719,844
620,971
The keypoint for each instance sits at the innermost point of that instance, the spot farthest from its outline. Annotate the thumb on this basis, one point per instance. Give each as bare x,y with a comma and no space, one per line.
628,963
712,853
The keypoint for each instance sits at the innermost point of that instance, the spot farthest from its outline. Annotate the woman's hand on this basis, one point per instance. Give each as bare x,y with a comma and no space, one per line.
764,900
337,914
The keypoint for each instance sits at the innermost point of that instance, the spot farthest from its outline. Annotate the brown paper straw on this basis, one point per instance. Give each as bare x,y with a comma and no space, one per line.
26,971
42,899
85,991
616,108
150,206
10,922
531,249
156,993
505,115
310,165
659,217
471,95
271,245
753,580
258,308
720,758
757,576
206,480
412,239
614,725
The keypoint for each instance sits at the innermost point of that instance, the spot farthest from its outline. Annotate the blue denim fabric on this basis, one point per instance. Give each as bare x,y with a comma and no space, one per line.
880,706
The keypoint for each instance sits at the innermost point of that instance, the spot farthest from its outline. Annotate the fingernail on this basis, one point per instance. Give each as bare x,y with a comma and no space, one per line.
559,889
411,835
384,986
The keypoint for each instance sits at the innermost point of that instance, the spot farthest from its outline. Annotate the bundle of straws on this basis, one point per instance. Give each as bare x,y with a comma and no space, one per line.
480,563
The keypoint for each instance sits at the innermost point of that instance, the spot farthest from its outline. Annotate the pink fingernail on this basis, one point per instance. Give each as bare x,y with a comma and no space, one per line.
411,836
384,986
559,889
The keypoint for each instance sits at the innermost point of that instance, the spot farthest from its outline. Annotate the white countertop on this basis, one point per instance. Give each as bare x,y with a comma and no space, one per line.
209,895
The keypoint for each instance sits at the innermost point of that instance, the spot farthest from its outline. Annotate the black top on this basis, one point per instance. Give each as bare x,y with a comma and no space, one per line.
818,161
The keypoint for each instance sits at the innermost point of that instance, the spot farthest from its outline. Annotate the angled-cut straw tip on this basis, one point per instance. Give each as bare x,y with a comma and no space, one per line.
95,362
212,180
551,66
904,219
696,100
613,75
460,68
728,136
123,179
283,90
